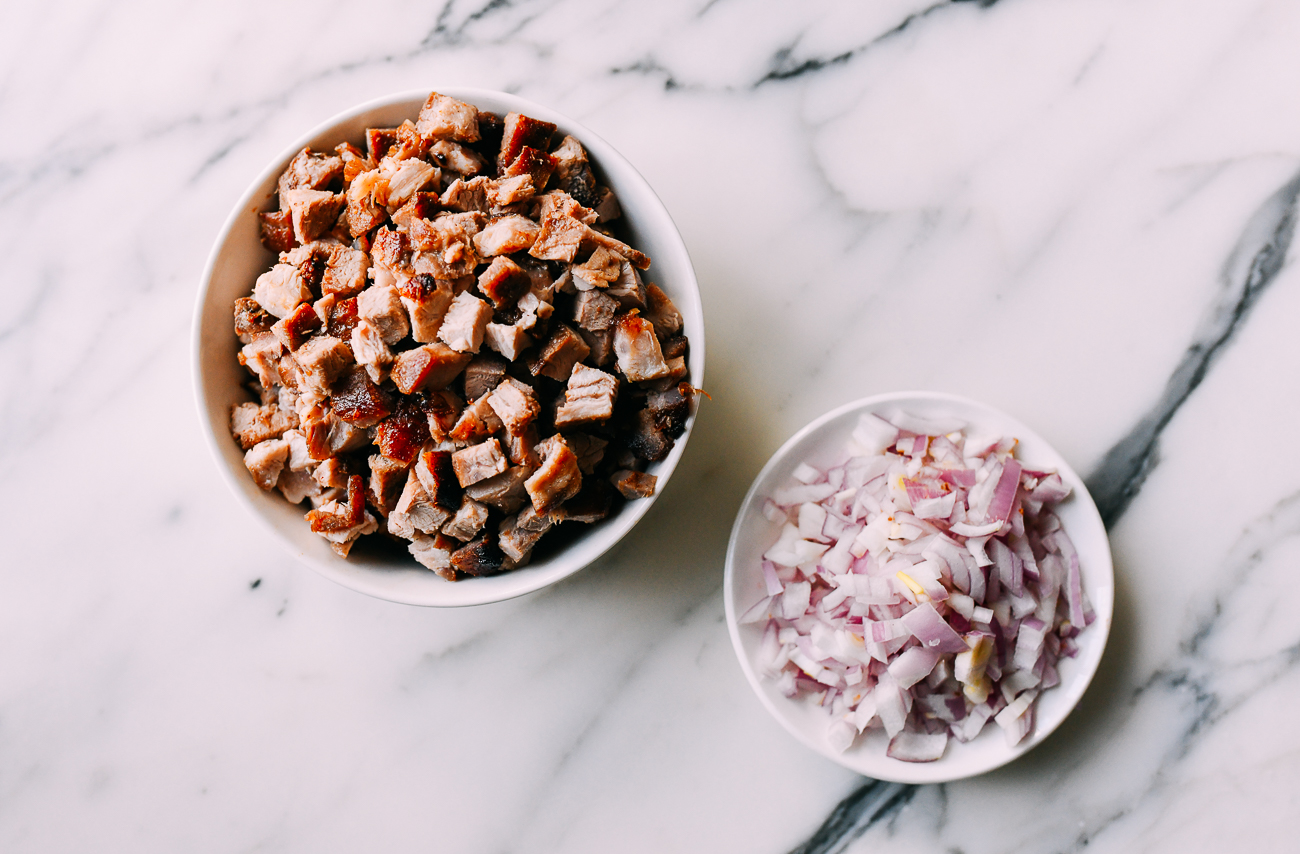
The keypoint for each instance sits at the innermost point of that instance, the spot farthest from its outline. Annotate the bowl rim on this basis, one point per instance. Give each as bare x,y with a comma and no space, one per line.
520,582
947,769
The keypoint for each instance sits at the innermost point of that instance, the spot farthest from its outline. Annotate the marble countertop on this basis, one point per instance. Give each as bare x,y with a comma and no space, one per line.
1078,212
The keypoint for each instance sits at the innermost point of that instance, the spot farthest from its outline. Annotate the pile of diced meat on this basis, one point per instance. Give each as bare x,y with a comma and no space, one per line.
455,348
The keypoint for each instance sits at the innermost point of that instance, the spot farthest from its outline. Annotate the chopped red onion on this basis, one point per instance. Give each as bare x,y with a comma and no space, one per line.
923,586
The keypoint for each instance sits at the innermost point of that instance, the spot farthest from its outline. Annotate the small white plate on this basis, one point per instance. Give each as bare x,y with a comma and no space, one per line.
823,444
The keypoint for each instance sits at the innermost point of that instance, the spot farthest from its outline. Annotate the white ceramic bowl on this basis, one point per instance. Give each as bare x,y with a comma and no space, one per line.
823,444
238,257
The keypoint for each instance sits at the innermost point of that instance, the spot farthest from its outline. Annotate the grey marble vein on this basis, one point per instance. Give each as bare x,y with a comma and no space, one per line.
871,803
1254,264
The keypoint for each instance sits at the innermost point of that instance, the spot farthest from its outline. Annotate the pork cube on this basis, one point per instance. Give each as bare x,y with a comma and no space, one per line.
359,401
594,310
601,344
442,117
598,238
462,328
354,161
297,486
589,506
505,235
634,484
564,350
299,454
331,474
570,157
449,241
364,211
382,306
426,300
558,479
559,238
277,230
314,212
429,366
560,202
311,170
600,270
479,558
436,471
533,162
422,205
280,290
588,399
345,271
589,450
457,158
508,191
647,441
443,410
476,421
518,534
434,553
629,290
521,446
514,403
519,132
504,491
401,435
662,313
251,320
252,424
478,462
482,374
387,478
415,512
637,349
468,521
503,282
297,327
413,175
471,195
507,339
266,460
322,360
669,409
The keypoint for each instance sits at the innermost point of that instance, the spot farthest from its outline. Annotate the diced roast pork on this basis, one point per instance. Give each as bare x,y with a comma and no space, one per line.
588,399
396,266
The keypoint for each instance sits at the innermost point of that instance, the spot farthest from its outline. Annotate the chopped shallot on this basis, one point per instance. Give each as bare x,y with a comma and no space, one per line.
924,586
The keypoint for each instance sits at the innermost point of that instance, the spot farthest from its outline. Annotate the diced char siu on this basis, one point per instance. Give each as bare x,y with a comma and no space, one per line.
448,241
387,478
331,473
634,484
266,460
482,374
251,319
381,305
471,195
515,404
342,319
561,203
401,435
478,462
478,558
505,235
345,271
637,348
411,176
647,441
589,450
427,367
503,282
629,290
662,313
637,259
295,329
426,300
507,339
600,270
520,131
416,511
477,420
378,141
442,117
322,360
564,350
533,162
521,446
277,231
589,506
594,310
558,479
518,534
421,205
361,402
511,190
588,399
252,424
311,170
670,409
442,409
342,524
354,161
436,471
462,327
410,143
434,552
280,290
365,212
504,491
313,212
468,521
601,344
559,238
458,158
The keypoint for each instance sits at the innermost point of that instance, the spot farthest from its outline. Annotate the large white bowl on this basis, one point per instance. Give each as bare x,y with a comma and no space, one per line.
823,444
238,257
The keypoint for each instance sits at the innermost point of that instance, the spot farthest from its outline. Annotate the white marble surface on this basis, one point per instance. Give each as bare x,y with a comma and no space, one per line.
1079,212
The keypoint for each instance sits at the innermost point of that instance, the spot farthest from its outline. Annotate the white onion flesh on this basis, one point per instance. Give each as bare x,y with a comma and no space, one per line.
924,586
